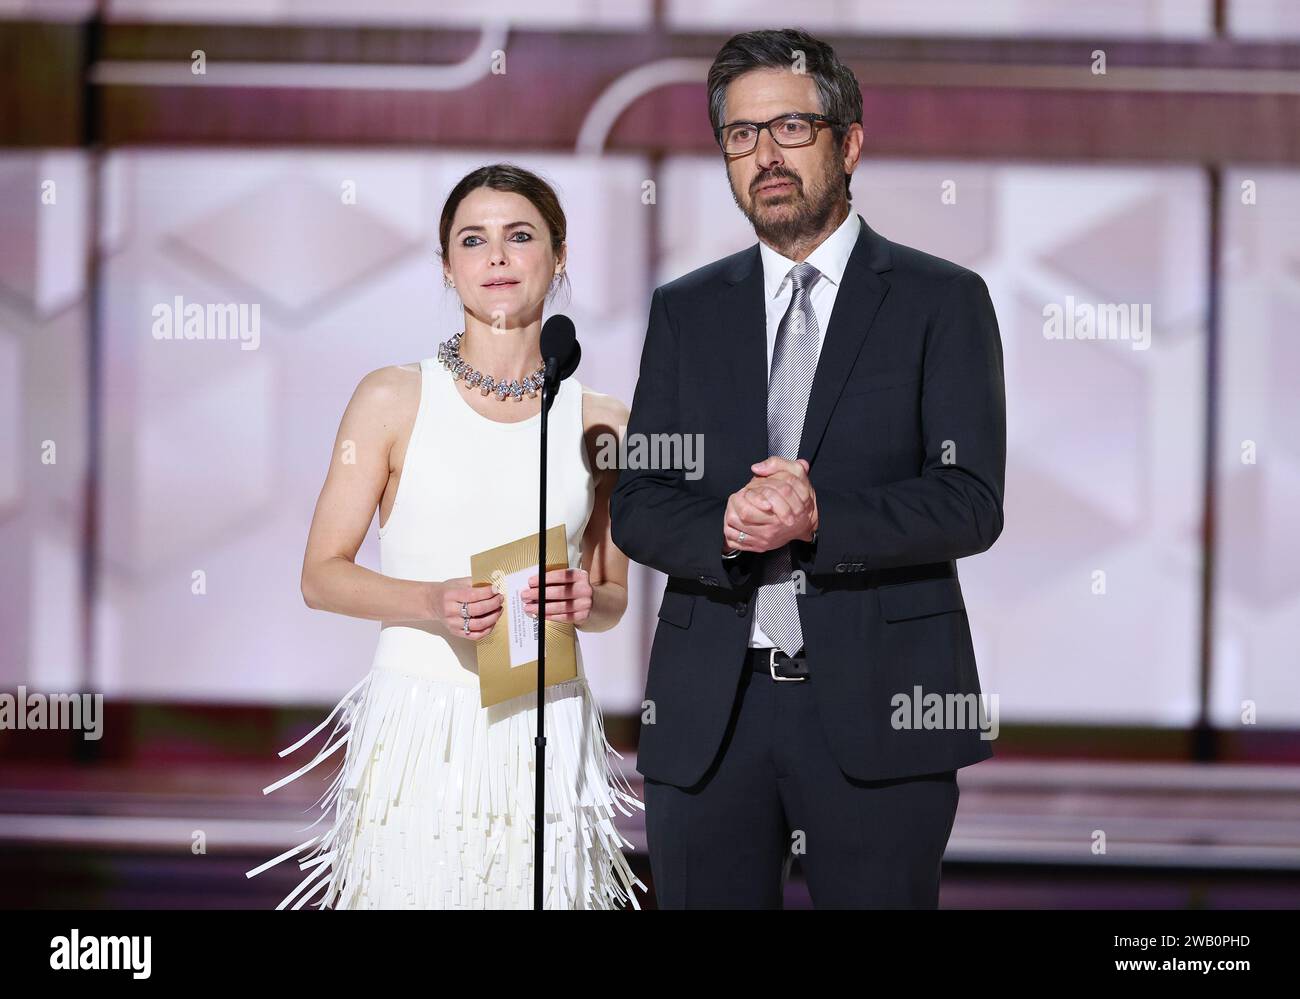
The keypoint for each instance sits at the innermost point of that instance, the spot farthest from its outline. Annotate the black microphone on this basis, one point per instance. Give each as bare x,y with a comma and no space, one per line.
560,353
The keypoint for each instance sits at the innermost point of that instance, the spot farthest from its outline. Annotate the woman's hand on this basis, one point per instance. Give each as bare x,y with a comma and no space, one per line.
568,595
483,603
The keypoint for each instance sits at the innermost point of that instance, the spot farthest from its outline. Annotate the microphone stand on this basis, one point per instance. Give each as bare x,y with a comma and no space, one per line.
549,387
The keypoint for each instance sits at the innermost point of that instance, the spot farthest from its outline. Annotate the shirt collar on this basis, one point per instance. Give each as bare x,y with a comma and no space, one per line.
830,257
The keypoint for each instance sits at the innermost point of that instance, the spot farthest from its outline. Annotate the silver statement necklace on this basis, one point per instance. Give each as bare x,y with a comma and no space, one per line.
449,355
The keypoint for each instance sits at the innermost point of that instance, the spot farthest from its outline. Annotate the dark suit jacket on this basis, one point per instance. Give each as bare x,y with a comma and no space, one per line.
905,435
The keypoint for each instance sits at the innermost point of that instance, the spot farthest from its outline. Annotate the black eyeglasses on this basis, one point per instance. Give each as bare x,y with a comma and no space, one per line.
797,129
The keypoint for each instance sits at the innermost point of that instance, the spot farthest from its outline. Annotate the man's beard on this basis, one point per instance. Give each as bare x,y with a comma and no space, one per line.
812,210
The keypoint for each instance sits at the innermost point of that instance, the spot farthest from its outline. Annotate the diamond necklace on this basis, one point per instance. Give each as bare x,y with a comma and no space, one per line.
449,356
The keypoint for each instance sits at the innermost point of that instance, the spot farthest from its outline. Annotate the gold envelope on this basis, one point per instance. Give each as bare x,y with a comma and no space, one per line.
506,666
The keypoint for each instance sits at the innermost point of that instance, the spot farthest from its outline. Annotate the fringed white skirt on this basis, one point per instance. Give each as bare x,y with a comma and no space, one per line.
432,806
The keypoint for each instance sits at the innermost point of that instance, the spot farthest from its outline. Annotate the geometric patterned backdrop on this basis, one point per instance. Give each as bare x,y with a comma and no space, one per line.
215,454
212,456
1104,441
1257,603
43,448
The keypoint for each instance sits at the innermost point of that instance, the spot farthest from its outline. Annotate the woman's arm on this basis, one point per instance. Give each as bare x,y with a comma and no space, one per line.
382,408
592,597
606,566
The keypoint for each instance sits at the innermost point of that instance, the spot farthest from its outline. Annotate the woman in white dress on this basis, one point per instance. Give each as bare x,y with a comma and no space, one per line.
432,805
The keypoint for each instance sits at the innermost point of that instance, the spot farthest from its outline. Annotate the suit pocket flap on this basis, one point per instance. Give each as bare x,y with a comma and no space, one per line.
677,607
900,601
878,380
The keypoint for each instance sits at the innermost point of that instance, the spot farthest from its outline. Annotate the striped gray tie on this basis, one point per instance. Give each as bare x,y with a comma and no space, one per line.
794,361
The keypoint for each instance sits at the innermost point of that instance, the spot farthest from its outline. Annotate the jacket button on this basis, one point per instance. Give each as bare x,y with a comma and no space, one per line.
741,608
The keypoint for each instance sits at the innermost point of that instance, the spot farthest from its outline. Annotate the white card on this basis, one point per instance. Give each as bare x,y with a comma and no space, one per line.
522,629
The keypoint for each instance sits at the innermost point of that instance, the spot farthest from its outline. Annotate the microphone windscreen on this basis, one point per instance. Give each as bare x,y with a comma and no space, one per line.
560,342
558,337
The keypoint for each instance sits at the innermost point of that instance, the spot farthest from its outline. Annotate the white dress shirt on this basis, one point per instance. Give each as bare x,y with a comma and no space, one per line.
830,258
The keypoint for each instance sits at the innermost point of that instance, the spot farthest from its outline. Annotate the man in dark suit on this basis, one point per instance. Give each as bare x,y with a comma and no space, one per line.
812,687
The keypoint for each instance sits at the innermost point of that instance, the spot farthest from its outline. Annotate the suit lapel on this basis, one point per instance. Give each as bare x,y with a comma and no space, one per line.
744,311
857,301
860,295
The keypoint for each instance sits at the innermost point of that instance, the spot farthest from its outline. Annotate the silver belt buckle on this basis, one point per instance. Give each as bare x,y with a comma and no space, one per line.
771,668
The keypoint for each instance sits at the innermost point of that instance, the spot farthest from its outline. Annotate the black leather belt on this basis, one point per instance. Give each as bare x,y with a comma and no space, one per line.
778,665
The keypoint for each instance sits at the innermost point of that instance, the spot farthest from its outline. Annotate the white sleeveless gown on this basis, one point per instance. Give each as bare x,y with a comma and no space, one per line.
432,806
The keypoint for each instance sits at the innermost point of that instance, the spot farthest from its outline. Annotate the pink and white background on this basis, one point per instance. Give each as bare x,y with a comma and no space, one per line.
184,457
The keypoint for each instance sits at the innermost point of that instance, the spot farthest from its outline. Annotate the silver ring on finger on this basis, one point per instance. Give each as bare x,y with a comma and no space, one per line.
741,537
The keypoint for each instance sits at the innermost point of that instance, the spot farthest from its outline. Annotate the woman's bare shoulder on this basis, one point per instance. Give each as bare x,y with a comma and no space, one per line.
601,411
389,396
